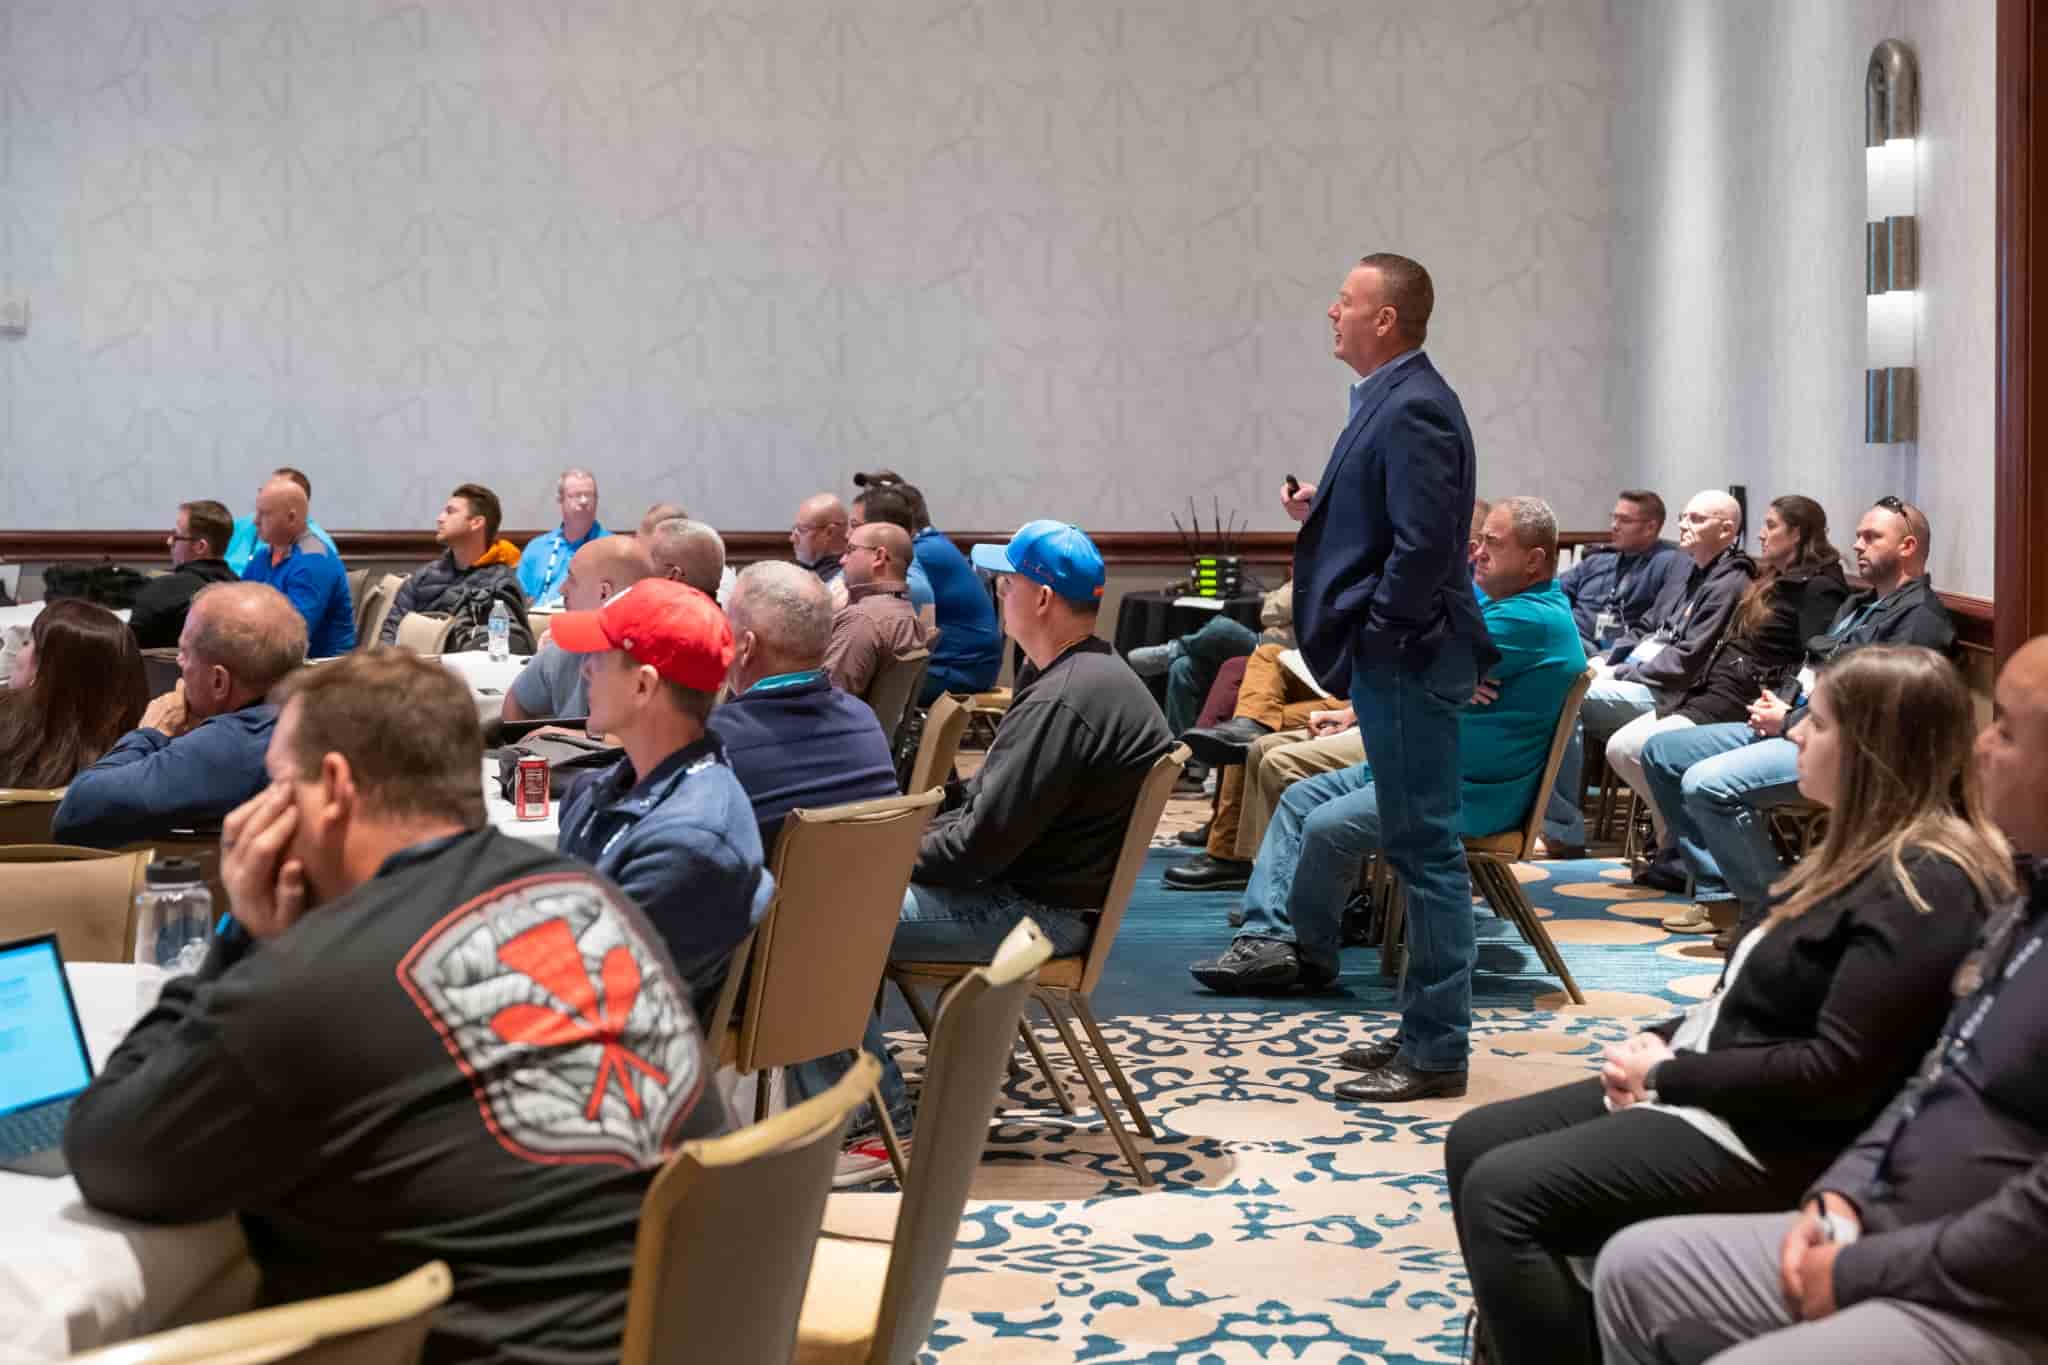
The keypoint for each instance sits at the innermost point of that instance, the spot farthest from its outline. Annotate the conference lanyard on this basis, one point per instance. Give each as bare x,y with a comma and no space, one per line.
1956,1038
783,681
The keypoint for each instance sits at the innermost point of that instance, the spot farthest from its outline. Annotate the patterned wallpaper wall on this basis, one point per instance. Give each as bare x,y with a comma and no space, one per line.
1740,258
1062,257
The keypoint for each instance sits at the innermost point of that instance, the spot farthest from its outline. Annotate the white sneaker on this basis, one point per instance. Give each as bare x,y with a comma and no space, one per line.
864,1163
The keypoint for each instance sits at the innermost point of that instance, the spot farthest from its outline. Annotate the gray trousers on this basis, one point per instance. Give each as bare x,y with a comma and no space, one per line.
1720,1273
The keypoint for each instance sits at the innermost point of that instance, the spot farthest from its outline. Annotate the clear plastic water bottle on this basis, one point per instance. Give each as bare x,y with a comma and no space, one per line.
173,926
501,633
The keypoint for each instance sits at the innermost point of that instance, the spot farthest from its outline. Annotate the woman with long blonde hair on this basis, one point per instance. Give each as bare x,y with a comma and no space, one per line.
1826,1006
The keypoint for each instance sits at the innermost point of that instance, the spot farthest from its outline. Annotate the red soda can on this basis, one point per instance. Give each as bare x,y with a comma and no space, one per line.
530,792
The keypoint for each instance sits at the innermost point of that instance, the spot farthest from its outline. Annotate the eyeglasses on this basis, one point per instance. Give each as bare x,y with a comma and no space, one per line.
175,536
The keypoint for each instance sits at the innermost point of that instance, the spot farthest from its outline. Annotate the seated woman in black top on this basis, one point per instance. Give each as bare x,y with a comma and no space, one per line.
77,687
1825,1008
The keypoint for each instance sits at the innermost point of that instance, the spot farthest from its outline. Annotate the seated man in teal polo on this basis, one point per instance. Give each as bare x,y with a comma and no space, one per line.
298,564
1327,825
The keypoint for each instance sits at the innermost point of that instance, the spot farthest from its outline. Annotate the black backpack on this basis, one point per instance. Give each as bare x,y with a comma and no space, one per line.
469,617
113,586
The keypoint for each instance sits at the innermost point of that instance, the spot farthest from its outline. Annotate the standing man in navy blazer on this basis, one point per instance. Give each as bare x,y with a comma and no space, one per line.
1384,611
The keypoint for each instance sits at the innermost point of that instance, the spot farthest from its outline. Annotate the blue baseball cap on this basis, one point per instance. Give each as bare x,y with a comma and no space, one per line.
1049,552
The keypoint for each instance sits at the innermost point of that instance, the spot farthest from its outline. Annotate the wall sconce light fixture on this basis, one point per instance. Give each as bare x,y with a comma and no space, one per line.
1891,243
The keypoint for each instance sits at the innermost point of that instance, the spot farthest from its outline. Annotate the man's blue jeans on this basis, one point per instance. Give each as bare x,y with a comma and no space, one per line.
1193,670
1716,785
1408,719
1609,705
941,924
1323,828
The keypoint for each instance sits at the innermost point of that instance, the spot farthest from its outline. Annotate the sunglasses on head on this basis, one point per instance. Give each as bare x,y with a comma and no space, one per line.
1890,502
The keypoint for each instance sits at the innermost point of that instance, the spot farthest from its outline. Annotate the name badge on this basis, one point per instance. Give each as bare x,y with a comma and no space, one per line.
1606,626
1806,681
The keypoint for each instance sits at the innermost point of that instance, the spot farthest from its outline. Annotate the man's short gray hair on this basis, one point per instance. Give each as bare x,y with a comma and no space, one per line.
573,472
787,608
691,548
250,629
1535,525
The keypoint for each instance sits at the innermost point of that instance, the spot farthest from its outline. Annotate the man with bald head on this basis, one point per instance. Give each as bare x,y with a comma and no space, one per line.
244,542
878,621
1647,672
299,565
552,686
690,552
793,738
1925,1239
657,514
819,539
199,750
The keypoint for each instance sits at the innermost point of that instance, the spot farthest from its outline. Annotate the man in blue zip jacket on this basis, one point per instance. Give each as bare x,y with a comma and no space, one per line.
1384,610
669,822
198,752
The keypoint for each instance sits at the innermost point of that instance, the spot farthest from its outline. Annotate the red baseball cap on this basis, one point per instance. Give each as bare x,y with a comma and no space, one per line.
671,627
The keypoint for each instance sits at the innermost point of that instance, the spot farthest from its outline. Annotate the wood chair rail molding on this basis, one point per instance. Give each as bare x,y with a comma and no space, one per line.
1120,549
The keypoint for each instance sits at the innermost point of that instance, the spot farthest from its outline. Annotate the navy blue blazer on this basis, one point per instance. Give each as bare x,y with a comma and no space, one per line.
1379,566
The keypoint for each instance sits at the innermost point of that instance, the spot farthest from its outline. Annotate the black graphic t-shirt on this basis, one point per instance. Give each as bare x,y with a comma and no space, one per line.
478,1056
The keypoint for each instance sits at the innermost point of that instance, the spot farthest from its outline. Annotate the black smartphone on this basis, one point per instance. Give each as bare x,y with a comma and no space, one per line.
1293,486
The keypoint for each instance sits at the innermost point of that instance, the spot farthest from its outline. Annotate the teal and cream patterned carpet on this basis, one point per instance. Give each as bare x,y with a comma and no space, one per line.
1284,1227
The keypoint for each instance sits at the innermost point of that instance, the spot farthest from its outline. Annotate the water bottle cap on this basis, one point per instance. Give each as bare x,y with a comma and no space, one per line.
172,872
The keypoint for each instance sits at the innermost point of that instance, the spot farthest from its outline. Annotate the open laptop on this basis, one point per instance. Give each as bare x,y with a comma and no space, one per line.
44,1063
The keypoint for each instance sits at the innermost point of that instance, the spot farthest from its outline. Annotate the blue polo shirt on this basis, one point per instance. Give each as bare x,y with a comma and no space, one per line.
796,740
544,564
243,544
969,652
317,584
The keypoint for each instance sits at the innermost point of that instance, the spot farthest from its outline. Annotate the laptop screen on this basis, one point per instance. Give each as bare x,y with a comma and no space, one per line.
42,1051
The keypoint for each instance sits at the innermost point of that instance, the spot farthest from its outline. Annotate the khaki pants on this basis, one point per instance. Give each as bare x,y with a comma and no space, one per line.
1277,762
1273,697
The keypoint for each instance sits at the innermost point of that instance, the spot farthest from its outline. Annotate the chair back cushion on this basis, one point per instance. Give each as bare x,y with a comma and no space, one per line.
944,724
25,813
1145,813
972,1039
1560,739
840,875
895,684
86,895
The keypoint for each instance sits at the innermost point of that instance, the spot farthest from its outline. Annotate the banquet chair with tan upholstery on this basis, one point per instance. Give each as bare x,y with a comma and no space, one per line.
87,895
727,1233
26,812
384,1325
895,683
944,724
872,1302
813,965
1067,982
1492,860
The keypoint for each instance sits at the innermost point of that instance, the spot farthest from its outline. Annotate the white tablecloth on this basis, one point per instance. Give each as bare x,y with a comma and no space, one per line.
72,1278
503,815
487,678
24,614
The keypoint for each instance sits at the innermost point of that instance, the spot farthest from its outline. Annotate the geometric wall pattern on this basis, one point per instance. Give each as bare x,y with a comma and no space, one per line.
1061,257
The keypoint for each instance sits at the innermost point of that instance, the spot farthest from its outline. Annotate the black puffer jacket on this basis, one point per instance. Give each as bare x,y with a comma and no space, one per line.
1802,603
444,589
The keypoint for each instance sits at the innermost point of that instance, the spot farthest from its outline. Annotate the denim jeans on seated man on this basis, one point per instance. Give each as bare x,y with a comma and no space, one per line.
1193,670
1718,783
1307,864
941,924
1409,720
1610,704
